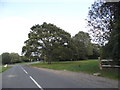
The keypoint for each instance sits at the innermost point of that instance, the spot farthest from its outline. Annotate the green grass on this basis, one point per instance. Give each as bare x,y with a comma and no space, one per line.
2,69
87,66
22,63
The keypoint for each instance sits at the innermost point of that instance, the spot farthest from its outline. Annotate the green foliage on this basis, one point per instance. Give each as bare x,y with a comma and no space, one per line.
24,59
96,51
15,58
83,45
87,66
50,43
8,58
104,20
2,69
47,41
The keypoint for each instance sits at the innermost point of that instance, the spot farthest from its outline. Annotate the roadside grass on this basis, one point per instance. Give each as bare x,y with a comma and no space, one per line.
2,69
87,66
22,63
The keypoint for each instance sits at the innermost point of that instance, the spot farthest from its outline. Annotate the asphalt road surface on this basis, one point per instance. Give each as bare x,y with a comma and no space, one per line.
23,76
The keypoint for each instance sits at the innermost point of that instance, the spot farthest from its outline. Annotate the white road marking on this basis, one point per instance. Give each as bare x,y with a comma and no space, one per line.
32,79
36,83
24,70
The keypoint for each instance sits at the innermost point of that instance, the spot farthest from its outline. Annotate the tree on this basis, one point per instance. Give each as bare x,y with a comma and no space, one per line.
83,45
15,58
24,59
96,51
47,41
104,22
6,58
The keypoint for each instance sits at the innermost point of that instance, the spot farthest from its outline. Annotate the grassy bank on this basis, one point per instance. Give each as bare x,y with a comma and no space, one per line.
22,63
2,69
87,66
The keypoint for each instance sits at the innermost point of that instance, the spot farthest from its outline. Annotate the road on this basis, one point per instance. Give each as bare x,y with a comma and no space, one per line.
24,76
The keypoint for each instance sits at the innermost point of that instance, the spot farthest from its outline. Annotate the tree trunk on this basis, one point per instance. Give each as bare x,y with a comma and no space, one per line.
49,61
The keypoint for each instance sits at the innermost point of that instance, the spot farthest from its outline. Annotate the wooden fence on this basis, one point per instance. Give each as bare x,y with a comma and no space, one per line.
104,63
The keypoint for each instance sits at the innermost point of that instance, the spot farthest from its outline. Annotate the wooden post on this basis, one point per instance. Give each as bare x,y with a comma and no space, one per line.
100,63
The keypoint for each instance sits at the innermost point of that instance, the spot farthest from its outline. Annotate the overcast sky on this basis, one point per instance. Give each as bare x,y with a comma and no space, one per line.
18,16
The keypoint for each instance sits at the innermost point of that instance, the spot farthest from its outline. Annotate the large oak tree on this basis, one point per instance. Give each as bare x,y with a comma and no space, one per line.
47,42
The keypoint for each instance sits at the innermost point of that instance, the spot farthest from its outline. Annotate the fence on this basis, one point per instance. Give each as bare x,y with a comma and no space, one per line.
104,63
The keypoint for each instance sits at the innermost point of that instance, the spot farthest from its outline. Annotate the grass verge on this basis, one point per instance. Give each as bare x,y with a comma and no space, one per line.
22,63
87,66
2,69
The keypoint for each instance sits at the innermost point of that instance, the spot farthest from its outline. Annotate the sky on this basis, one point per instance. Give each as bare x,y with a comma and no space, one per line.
18,16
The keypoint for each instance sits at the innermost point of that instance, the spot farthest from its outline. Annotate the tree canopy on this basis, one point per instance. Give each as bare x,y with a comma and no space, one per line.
83,43
104,22
50,43
8,58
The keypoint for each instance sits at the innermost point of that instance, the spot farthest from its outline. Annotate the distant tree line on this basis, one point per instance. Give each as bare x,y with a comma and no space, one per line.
50,43
10,58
